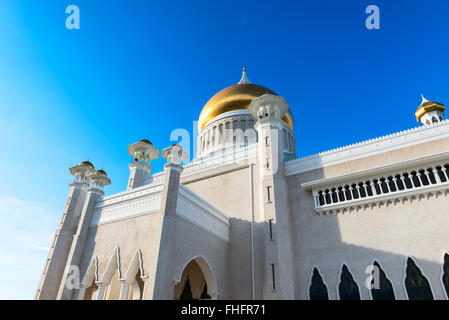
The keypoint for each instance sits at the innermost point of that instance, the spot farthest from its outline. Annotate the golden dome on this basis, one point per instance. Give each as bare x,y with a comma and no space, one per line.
146,141
236,97
87,164
101,172
428,106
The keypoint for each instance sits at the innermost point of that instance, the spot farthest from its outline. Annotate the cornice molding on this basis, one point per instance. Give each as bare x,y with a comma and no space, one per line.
370,147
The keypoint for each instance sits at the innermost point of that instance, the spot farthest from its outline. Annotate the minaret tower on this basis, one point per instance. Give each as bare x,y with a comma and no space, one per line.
161,272
97,180
430,112
143,152
279,280
59,251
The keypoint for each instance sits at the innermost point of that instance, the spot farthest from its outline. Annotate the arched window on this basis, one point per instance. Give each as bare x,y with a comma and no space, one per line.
384,290
318,290
348,288
434,119
418,287
446,273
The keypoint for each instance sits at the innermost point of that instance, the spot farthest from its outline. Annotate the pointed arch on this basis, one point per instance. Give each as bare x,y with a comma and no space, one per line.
416,284
112,267
348,288
384,291
88,283
318,289
446,274
134,277
207,273
112,276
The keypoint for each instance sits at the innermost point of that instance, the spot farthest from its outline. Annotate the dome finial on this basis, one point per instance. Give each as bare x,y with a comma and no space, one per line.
424,100
244,79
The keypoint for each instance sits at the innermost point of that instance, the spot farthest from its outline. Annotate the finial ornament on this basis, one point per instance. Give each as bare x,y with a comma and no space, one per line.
244,79
424,100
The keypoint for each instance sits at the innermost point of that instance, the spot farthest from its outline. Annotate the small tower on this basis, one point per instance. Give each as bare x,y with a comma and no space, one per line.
57,256
97,180
430,112
279,280
161,270
81,171
175,154
143,152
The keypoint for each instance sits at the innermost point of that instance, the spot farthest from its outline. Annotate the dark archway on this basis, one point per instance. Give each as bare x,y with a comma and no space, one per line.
384,291
318,290
348,288
418,287
446,274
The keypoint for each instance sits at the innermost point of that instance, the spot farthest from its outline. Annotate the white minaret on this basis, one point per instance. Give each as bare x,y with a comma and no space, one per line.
97,180
279,280
143,152
59,251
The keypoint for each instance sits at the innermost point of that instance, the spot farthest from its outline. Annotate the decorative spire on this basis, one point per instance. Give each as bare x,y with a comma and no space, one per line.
424,100
244,79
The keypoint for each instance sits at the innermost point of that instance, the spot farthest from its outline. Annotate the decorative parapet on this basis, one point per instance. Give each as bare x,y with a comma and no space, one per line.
222,157
124,205
389,184
200,212
370,147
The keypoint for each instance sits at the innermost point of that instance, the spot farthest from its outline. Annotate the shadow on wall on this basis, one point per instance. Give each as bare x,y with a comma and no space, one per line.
332,266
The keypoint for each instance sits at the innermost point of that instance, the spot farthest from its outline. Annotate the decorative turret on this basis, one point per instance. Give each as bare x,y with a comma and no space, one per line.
430,112
268,106
82,170
143,153
99,179
175,154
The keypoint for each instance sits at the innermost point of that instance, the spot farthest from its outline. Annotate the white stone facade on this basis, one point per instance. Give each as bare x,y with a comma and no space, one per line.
246,220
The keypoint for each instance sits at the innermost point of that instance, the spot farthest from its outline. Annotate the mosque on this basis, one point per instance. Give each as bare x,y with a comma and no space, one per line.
248,219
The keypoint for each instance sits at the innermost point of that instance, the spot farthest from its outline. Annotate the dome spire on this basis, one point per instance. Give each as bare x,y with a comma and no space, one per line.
424,100
244,79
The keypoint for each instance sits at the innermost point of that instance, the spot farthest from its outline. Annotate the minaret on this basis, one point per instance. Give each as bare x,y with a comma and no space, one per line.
279,268
430,112
142,152
161,273
97,181
59,251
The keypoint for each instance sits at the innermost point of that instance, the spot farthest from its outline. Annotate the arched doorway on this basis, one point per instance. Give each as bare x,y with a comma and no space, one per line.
196,281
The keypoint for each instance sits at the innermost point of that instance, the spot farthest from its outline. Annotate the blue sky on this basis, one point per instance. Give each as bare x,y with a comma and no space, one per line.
140,69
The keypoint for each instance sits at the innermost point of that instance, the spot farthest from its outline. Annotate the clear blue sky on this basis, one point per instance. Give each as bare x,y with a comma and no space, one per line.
139,69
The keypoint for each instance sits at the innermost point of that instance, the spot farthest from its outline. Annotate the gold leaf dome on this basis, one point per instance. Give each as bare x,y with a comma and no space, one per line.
428,106
87,164
236,97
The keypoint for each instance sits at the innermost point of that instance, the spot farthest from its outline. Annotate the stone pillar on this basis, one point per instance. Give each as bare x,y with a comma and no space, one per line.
100,291
138,173
79,240
59,251
279,249
161,273
124,290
